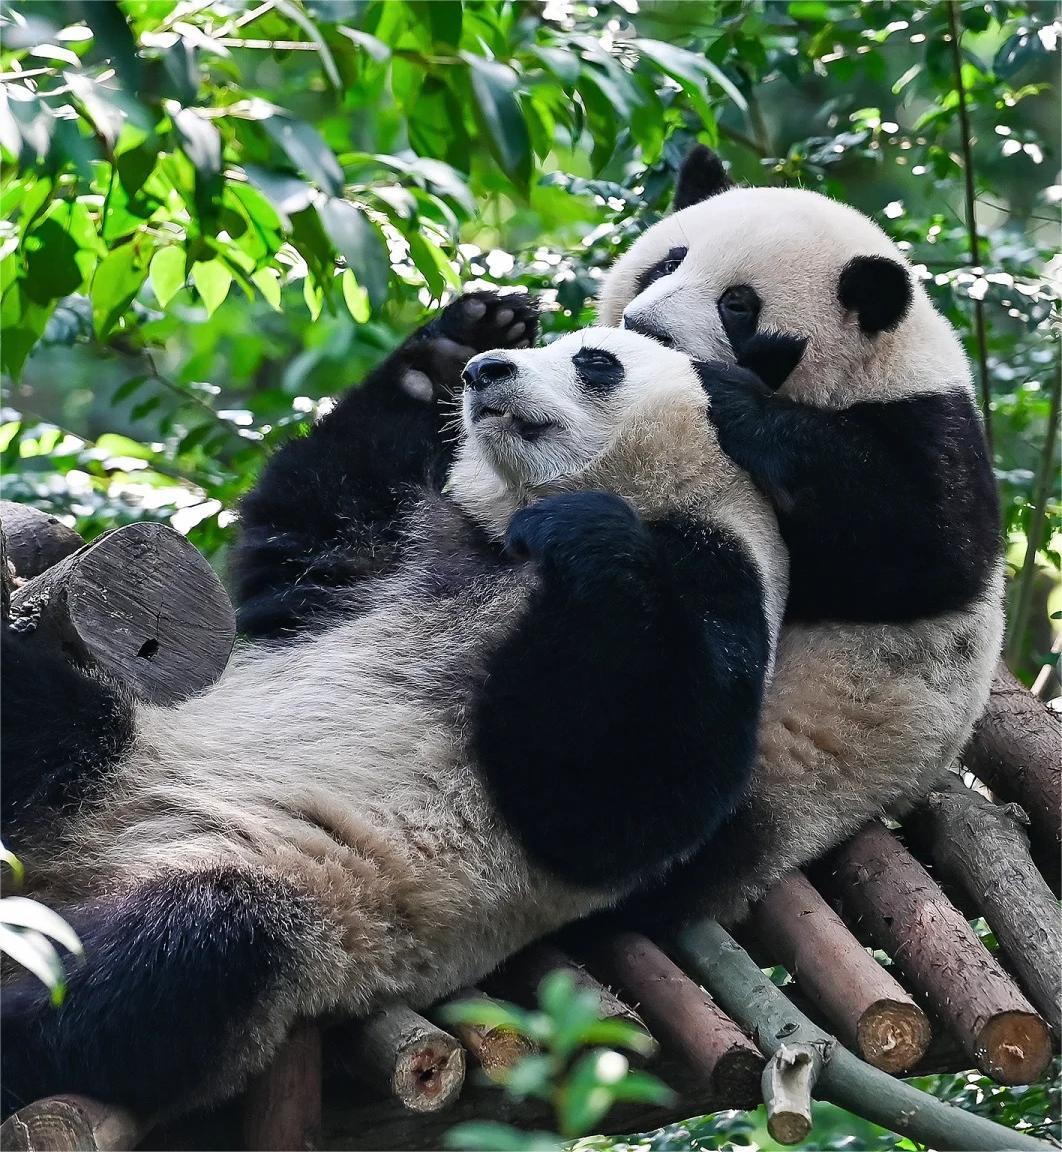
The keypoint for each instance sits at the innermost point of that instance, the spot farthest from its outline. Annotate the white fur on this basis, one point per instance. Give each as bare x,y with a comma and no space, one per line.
858,718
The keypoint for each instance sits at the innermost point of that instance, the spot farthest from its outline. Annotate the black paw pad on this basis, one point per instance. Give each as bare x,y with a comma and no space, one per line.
485,320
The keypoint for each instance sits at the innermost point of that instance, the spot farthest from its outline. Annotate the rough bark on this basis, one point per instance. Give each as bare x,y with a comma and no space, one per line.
71,1124
733,978
788,1082
401,1054
683,1017
496,1049
141,603
1016,751
282,1108
984,848
855,993
909,917
35,540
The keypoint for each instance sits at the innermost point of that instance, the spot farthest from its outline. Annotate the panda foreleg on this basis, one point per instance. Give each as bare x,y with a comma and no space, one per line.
326,512
188,983
616,723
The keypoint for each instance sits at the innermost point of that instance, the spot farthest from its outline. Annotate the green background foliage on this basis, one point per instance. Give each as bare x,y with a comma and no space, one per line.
216,215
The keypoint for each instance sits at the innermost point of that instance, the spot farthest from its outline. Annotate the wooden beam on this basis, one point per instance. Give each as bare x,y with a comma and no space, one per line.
910,918
496,1049
140,602
71,1124
859,997
36,540
282,1107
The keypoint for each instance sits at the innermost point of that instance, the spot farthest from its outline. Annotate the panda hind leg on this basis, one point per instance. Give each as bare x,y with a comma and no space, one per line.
189,983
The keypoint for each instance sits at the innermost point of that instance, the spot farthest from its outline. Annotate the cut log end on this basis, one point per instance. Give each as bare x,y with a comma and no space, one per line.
69,1123
736,1078
1014,1047
788,1082
788,1127
893,1035
428,1075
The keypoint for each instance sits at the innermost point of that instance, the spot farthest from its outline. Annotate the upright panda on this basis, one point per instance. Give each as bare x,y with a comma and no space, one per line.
326,829
860,425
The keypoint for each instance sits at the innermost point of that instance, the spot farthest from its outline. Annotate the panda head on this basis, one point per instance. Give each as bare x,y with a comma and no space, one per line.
605,407
734,263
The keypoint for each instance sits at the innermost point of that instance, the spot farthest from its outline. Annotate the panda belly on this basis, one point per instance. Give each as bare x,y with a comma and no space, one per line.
339,766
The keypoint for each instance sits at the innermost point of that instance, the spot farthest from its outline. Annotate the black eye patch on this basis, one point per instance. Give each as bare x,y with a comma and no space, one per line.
660,269
597,370
739,309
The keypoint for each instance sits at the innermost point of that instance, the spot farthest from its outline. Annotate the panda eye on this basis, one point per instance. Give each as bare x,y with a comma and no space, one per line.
662,268
741,300
597,370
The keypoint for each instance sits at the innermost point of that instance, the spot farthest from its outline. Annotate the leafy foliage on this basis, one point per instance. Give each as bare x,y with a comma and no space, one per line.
577,1069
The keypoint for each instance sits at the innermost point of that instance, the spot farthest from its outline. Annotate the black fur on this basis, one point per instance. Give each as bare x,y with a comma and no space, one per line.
888,509
877,289
598,371
772,356
616,724
739,310
170,968
61,729
663,267
327,511
701,176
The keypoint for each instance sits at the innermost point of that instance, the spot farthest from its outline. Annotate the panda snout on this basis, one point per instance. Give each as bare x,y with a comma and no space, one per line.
487,368
646,328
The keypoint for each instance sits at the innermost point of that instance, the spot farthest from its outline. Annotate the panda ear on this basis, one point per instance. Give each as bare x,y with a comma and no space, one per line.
702,175
877,289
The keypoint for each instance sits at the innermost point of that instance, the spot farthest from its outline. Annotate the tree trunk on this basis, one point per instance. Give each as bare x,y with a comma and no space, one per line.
282,1108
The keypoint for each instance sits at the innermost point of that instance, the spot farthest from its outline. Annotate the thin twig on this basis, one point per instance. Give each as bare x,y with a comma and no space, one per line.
1043,677
971,221
1045,478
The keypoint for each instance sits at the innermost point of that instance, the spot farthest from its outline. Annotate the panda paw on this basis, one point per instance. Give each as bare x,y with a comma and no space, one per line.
576,526
474,322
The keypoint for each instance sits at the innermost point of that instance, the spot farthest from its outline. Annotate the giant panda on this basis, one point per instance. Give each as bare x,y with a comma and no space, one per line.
860,425
326,829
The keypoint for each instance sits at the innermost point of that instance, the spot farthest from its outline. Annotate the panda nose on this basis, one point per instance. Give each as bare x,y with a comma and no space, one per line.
487,368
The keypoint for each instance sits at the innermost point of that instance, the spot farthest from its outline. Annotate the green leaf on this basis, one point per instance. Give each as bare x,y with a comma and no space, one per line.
306,150
200,141
51,262
287,194
267,281
491,1136
313,294
359,243
212,281
499,116
355,297
116,283
167,273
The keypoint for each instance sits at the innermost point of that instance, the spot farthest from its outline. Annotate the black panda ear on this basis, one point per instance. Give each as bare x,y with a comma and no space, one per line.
702,175
877,289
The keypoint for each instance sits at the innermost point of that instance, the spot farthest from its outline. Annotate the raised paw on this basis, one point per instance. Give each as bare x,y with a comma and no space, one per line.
485,320
573,523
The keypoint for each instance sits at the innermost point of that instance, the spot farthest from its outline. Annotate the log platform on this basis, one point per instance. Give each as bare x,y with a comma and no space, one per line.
880,959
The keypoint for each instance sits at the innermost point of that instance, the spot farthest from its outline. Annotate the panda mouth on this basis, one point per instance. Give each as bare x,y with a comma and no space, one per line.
505,420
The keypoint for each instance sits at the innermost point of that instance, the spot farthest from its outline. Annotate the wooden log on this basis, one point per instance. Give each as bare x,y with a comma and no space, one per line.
7,577
909,917
684,1017
1015,750
788,1081
521,977
867,1006
398,1052
36,540
282,1107
71,1124
140,602
749,997
496,1048
984,848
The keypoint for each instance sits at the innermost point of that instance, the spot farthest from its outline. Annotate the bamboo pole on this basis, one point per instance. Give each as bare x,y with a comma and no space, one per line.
748,996
855,993
684,1017
984,848
908,916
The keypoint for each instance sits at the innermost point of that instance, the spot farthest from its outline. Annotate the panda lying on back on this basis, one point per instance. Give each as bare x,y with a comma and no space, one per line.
325,829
